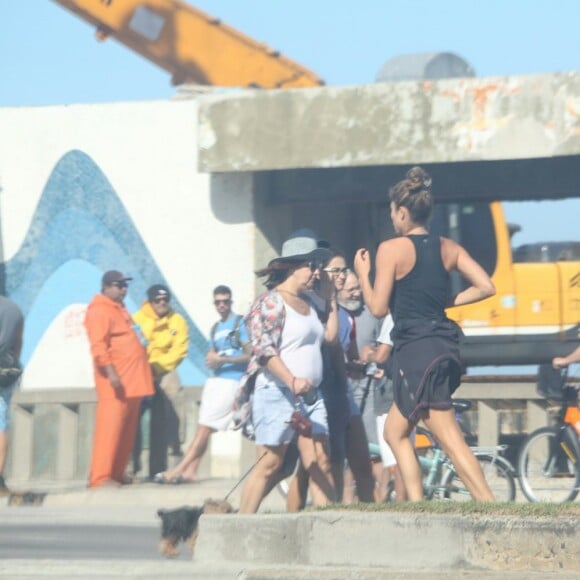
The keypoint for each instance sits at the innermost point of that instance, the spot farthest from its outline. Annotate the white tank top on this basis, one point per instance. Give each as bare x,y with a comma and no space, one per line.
302,337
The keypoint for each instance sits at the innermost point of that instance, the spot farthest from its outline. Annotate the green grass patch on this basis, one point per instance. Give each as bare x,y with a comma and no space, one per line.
478,509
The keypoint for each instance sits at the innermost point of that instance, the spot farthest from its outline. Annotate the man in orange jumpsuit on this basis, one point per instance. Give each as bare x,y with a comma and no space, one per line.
122,378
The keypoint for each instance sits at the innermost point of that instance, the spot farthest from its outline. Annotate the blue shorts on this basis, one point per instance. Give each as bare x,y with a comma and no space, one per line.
272,407
5,396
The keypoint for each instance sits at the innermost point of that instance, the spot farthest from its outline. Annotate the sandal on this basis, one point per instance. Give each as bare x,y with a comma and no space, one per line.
164,480
160,478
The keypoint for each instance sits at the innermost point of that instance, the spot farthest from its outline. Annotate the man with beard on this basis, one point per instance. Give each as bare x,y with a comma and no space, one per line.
368,387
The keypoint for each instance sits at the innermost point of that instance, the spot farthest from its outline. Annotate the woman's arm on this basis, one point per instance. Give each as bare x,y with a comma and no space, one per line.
377,298
481,287
561,362
331,326
297,385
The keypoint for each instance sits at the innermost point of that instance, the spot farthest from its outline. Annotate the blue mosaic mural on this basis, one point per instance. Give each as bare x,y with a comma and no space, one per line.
79,230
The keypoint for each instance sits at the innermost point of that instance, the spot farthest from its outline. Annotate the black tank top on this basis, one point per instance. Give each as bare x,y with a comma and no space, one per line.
424,291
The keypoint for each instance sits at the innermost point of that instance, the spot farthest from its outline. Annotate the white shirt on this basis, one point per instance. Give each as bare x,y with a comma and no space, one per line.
300,346
385,334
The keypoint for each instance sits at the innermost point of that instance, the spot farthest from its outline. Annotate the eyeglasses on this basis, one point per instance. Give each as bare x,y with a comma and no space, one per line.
161,299
226,301
120,284
336,270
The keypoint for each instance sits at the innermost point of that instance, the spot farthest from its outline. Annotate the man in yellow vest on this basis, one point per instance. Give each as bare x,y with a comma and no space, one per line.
167,340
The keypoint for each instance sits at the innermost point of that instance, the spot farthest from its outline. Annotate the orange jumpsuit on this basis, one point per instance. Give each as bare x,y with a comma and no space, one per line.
114,342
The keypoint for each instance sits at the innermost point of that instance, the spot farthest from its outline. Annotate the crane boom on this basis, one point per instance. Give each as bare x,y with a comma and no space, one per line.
190,44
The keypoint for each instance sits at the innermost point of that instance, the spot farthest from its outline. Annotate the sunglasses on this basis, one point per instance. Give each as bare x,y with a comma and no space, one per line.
314,266
336,270
120,284
226,301
161,299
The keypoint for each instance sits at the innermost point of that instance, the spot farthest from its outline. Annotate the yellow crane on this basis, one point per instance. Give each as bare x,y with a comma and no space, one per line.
191,45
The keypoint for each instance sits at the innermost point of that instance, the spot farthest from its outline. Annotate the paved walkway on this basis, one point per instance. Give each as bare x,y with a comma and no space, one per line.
137,494
337,545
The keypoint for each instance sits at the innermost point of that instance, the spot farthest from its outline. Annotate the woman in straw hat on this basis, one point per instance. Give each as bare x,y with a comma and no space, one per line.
285,371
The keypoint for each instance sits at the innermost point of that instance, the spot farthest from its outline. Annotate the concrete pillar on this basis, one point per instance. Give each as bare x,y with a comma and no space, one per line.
536,415
22,437
488,423
66,458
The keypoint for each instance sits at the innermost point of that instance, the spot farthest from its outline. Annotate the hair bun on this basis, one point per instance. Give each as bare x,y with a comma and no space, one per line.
418,179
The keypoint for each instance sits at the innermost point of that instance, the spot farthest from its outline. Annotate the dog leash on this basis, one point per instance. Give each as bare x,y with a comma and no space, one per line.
245,475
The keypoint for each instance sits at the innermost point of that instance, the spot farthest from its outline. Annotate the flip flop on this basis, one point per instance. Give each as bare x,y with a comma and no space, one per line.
177,480
160,478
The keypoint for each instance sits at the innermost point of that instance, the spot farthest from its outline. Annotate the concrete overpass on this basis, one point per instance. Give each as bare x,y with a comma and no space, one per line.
505,138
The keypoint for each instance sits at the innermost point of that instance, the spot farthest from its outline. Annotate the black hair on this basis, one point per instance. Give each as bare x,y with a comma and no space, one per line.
222,289
277,272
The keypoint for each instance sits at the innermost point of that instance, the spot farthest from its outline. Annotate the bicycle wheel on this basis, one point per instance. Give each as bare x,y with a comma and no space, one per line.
497,473
546,472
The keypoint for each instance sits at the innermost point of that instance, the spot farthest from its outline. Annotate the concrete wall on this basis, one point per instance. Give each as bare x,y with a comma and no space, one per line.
52,430
88,188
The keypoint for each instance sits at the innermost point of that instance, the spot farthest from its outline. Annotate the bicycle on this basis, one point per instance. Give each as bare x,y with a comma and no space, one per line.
549,459
440,479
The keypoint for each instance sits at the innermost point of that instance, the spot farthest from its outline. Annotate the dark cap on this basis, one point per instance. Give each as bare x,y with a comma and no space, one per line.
158,291
114,276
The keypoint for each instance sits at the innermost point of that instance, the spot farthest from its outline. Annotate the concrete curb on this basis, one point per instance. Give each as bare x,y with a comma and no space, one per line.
391,540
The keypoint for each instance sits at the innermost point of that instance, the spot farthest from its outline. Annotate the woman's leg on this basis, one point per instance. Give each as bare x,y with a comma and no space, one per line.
316,462
382,476
400,491
349,491
298,490
188,466
357,454
397,431
445,428
268,462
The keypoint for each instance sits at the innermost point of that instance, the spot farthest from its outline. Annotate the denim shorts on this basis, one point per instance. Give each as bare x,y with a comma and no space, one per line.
5,396
272,407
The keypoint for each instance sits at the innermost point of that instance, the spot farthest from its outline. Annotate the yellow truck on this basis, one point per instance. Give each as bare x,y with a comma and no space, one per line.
535,314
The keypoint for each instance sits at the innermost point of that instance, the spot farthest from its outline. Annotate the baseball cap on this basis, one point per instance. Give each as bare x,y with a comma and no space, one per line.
158,291
111,276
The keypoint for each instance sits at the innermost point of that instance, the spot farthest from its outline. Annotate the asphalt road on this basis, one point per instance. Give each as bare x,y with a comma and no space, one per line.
80,542
91,532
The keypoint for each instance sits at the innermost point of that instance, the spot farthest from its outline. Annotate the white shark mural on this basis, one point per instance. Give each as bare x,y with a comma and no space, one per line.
142,208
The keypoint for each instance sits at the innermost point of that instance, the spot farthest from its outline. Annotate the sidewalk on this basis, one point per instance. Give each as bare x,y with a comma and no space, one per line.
321,545
136,494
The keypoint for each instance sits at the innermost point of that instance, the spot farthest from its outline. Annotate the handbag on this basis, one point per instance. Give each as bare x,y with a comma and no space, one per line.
301,424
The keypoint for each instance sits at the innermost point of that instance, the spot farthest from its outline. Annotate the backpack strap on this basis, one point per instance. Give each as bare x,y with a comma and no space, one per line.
235,333
236,330
212,335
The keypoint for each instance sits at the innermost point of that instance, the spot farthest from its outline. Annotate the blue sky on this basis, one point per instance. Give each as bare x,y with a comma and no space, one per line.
48,56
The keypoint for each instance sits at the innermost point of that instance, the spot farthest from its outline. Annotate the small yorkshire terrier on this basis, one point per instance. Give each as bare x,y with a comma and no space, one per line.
181,525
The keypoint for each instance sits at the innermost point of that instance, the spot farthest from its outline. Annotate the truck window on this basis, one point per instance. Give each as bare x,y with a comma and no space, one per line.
470,225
